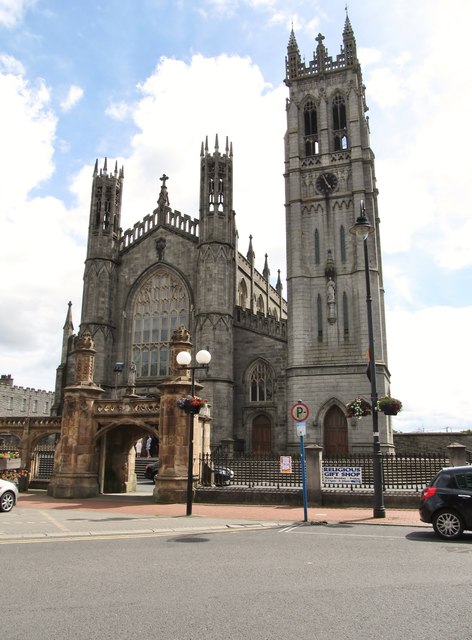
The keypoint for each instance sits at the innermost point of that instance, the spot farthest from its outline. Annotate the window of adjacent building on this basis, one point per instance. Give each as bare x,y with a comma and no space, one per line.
23,404
310,129
34,407
161,305
339,123
10,402
261,382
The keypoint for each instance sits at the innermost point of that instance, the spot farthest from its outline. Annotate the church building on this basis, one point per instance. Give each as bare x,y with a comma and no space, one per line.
269,348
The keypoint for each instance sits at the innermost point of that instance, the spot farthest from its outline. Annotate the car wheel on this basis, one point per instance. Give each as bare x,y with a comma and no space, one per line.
7,501
154,477
448,524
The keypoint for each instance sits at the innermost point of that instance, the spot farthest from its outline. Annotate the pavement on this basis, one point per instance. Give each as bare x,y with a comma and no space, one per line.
39,516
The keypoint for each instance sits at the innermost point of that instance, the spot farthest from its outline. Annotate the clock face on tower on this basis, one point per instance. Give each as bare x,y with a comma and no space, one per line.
326,183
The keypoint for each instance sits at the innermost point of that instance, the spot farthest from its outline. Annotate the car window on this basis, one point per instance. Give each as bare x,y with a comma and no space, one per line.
445,481
464,480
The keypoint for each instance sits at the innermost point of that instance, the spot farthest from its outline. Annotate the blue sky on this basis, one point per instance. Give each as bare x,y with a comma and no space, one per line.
144,82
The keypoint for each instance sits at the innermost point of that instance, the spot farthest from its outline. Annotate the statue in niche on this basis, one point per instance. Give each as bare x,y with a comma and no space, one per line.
331,291
132,375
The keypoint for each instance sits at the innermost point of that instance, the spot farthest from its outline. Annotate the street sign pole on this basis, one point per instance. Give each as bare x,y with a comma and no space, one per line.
300,413
302,457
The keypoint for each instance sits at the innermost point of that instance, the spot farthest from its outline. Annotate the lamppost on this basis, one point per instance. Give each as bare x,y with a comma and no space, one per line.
184,359
363,229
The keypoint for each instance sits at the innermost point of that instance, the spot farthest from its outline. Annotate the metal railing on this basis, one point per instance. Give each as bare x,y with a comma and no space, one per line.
253,471
411,473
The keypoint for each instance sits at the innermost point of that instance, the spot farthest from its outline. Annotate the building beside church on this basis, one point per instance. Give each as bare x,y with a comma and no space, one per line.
23,401
173,269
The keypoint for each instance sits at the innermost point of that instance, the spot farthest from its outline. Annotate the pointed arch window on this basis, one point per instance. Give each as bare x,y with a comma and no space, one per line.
242,294
261,382
342,243
317,247
310,129
319,318
161,305
340,138
260,304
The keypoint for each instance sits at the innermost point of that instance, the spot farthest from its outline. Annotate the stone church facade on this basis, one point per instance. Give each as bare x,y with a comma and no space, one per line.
173,270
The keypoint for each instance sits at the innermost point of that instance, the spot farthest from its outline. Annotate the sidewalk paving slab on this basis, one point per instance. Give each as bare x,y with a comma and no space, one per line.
141,505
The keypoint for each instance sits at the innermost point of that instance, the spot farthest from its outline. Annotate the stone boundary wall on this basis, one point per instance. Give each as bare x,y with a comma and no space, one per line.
414,443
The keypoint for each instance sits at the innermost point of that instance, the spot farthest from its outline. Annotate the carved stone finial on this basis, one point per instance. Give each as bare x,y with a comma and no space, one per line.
181,334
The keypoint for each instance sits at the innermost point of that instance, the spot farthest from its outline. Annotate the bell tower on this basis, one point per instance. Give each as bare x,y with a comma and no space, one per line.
329,172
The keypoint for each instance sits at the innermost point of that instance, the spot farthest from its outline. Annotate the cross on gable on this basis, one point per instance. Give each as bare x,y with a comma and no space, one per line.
163,179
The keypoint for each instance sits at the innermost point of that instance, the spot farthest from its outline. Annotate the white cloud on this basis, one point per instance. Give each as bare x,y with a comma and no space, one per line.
9,64
41,259
12,11
27,130
74,95
119,110
239,105
429,356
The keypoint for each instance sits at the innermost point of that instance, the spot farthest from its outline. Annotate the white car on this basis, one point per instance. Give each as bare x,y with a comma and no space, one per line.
8,495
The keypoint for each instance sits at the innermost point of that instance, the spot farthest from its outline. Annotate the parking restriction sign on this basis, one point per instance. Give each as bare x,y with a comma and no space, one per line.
300,411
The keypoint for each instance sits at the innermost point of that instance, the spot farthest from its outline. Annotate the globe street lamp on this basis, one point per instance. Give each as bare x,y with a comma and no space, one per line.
363,229
184,359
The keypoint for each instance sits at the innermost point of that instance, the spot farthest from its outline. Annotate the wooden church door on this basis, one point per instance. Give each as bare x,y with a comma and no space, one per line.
335,433
261,436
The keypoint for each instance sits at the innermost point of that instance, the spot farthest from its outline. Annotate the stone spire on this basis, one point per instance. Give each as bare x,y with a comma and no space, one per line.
278,286
250,252
266,270
349,42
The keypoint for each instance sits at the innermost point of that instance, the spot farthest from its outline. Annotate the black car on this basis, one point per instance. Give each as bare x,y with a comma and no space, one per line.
223,475
151,471
447,502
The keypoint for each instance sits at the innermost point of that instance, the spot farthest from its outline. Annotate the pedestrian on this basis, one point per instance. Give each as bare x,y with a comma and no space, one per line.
139,446
148,446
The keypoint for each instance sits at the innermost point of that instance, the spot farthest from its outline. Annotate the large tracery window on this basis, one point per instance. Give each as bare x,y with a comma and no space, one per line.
161,305
261,382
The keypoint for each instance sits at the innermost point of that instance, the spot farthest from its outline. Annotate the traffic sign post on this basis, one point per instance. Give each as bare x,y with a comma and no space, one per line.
300,413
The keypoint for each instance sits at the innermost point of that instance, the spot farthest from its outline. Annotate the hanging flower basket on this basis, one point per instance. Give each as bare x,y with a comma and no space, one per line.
358,408
389,406
191,404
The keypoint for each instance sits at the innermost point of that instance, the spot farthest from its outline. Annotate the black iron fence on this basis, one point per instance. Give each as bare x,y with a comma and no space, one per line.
399,472
254,471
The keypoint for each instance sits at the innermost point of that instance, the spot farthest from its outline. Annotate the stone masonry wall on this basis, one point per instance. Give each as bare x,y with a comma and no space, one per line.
411,443
23,401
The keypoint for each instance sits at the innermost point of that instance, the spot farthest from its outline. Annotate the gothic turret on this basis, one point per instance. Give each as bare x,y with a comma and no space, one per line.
101,263
216,274
105,212
216,195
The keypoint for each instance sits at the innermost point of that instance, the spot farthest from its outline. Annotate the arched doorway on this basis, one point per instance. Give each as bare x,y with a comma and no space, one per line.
261,435
335,433
118,459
